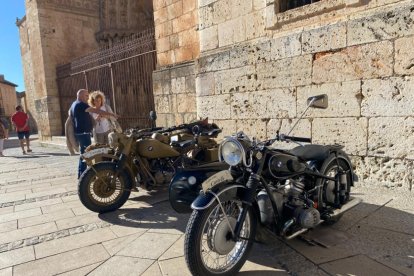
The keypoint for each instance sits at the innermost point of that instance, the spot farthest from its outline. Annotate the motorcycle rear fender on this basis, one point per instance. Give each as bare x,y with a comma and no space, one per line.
338,150
223,191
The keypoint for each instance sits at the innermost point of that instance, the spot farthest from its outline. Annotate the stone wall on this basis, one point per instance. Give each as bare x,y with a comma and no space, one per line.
258,66
174,94
53,33
8,99
177,46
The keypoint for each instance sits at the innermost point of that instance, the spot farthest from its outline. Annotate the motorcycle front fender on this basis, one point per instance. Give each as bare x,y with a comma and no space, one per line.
222,193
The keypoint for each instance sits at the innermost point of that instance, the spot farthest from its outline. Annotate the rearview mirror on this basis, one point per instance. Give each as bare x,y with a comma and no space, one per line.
318,101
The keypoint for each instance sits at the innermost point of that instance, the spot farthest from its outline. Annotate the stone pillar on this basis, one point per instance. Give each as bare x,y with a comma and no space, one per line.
53,33
177,47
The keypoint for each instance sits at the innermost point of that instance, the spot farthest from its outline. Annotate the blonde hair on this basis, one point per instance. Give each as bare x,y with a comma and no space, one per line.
95,95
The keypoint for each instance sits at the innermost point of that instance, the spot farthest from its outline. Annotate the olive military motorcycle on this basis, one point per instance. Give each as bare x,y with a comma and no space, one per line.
142,158
286,192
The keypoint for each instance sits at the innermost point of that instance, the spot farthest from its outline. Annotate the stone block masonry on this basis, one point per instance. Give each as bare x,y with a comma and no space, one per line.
363,61
175,31
255,67
174,94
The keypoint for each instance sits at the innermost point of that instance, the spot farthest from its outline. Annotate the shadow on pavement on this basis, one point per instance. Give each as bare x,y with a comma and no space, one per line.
369,239
157,216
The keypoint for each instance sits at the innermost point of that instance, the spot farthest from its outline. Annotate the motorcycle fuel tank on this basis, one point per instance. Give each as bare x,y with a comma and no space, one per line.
150,148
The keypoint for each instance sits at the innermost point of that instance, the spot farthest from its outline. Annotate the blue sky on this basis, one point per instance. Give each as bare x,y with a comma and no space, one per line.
10,61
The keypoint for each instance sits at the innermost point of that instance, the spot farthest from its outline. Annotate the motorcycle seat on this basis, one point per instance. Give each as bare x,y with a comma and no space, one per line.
311,152
213,132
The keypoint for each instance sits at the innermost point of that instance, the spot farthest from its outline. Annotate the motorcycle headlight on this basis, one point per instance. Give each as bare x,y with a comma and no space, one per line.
232,152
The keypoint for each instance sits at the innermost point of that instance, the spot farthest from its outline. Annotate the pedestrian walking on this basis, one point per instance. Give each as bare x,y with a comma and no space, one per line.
83,123
20,121
3,135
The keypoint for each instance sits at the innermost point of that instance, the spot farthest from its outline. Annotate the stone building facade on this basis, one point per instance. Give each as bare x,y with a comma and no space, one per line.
55,32
8,99
178,47
257,64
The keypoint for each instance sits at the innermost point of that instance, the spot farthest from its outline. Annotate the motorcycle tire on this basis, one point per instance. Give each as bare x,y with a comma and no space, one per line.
329,167
194,237
101,195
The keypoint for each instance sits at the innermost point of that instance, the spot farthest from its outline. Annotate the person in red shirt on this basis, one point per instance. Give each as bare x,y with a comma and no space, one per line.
20,121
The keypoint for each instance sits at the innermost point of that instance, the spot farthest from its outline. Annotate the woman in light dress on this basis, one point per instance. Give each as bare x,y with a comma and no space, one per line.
103,124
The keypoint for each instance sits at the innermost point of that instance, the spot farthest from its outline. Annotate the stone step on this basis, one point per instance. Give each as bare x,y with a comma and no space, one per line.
57,142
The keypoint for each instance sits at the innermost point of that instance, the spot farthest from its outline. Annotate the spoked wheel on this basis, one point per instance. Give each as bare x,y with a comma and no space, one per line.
101,190
327,191
209,247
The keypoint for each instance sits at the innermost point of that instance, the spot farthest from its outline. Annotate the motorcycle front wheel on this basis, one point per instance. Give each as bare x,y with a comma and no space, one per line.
101,190
209,248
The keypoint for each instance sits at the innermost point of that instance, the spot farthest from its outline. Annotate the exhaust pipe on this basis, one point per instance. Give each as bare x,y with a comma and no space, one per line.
352,202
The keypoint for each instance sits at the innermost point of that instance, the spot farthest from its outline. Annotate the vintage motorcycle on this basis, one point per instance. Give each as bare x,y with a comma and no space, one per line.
286,192
144,158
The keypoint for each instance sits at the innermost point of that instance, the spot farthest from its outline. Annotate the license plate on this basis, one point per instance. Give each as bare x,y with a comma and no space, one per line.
94,152
215,179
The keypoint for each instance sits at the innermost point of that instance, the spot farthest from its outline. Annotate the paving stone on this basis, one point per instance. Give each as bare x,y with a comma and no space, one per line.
257,269
358,265
45,218
121,265
149,246
392,219
174,267
12,197
6,272
77,221
318,254
73,242
45,193
61,206
153,270
36,204
6,210
382,245
115,245
126,230
81,271
64,262
8,226
20,215
17,256
28,232
176,250
81,210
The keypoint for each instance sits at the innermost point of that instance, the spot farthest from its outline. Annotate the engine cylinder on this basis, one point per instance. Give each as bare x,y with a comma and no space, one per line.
307,218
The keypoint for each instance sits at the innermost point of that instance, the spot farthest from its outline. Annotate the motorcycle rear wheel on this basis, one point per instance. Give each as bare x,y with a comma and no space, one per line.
326,193
100,192
207,238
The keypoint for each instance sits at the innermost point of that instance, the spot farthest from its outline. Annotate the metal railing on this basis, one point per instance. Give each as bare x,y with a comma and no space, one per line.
122,72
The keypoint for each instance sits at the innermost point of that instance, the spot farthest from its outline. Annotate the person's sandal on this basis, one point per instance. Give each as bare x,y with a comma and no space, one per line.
24,152
29,150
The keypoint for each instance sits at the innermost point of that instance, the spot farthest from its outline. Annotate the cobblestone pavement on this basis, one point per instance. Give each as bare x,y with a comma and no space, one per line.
45,230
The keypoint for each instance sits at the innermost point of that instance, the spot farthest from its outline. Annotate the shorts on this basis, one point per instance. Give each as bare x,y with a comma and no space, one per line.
23,134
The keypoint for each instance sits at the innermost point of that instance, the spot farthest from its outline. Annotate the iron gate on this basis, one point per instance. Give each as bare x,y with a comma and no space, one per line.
122,72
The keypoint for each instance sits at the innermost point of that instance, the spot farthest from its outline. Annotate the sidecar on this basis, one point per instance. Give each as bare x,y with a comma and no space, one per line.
186,184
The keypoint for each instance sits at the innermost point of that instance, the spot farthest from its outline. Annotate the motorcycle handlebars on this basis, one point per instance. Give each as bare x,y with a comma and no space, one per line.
283,137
